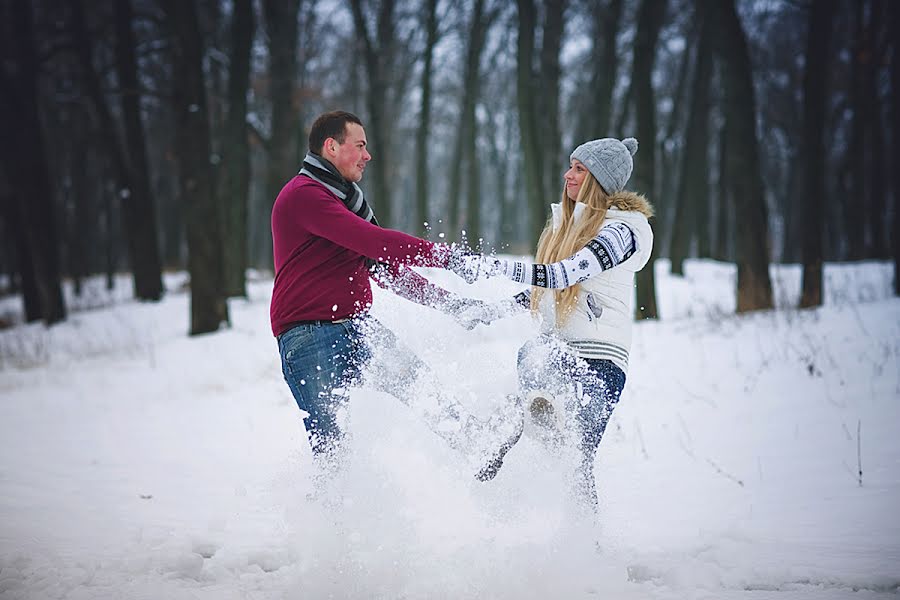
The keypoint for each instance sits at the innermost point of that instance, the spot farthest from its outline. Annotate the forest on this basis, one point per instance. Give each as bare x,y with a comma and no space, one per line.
146,136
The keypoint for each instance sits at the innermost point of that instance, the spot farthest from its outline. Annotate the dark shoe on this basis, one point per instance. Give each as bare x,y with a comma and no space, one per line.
508,429
542,412
546,417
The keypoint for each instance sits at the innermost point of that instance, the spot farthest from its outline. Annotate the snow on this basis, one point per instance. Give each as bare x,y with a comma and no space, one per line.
136,462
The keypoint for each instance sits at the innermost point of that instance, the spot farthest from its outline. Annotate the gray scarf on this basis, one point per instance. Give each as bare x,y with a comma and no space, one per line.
316,167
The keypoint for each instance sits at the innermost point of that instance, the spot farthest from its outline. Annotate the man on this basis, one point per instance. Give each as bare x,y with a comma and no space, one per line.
327,244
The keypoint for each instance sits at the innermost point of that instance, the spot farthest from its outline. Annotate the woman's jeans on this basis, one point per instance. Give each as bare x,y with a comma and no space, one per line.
591,388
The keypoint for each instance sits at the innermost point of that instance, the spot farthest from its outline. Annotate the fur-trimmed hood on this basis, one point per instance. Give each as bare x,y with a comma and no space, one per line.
631,201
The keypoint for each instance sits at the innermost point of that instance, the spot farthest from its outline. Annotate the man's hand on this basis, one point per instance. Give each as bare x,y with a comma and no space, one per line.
477,313
469,312
472,266
468,265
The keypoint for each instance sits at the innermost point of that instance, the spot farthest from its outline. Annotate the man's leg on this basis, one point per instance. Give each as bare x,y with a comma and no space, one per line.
319,362
395,369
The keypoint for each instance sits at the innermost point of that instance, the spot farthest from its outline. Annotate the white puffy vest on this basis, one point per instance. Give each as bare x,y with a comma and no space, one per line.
600,324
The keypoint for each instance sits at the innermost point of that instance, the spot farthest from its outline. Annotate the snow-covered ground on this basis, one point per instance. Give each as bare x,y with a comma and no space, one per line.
136,462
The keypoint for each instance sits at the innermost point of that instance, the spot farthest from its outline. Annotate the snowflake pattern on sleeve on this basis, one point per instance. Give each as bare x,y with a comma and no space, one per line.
613,245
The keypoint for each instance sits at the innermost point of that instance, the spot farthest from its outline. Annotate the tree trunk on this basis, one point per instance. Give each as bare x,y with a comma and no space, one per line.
422,133
235,174
815,90
499,164
651,15
548,100
379,60
469,129
855,202
109,249
25,159
532,155
84,216
208,306
139,206
31,298
726,206
894,30
671,150
281,22
692,200
598,107
754,288
465,159
9,238
879,245
477,38
128,162
453,221
463,162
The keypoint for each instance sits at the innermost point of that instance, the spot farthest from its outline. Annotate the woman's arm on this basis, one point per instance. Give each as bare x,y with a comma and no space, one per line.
613,245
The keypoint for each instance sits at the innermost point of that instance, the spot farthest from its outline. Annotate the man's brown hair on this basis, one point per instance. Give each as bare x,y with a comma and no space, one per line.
330,125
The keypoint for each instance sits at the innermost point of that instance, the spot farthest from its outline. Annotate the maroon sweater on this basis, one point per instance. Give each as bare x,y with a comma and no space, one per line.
320,250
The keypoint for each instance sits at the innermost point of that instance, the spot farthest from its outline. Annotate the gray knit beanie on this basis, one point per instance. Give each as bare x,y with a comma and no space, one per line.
608,160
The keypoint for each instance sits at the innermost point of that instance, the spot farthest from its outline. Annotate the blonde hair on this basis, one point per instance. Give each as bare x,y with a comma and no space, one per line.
569,238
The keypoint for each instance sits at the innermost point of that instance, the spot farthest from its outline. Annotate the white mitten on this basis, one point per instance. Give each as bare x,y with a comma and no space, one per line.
478,313
467,265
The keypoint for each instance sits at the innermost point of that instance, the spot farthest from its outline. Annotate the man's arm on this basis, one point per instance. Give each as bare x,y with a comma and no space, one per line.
408,284
325,216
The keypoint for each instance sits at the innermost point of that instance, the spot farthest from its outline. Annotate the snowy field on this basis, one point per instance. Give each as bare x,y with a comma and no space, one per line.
136,462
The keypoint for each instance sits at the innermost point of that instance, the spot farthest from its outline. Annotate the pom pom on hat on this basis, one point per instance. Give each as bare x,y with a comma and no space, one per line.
608,160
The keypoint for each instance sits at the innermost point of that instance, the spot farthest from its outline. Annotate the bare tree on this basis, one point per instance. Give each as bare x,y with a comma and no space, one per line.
502,142
815,88
378,52
25,164
725,213
692,199
894,29
878,245
235,174
465,157
422,132
651,15
671,144
79,205
863,206
604,29
281,26
128,156
529,127
203,221
754,287
548,98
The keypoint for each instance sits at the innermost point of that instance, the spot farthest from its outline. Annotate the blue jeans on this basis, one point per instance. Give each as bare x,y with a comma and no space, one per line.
591,388
319,362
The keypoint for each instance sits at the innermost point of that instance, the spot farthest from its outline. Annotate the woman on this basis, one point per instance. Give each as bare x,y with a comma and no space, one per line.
597,238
